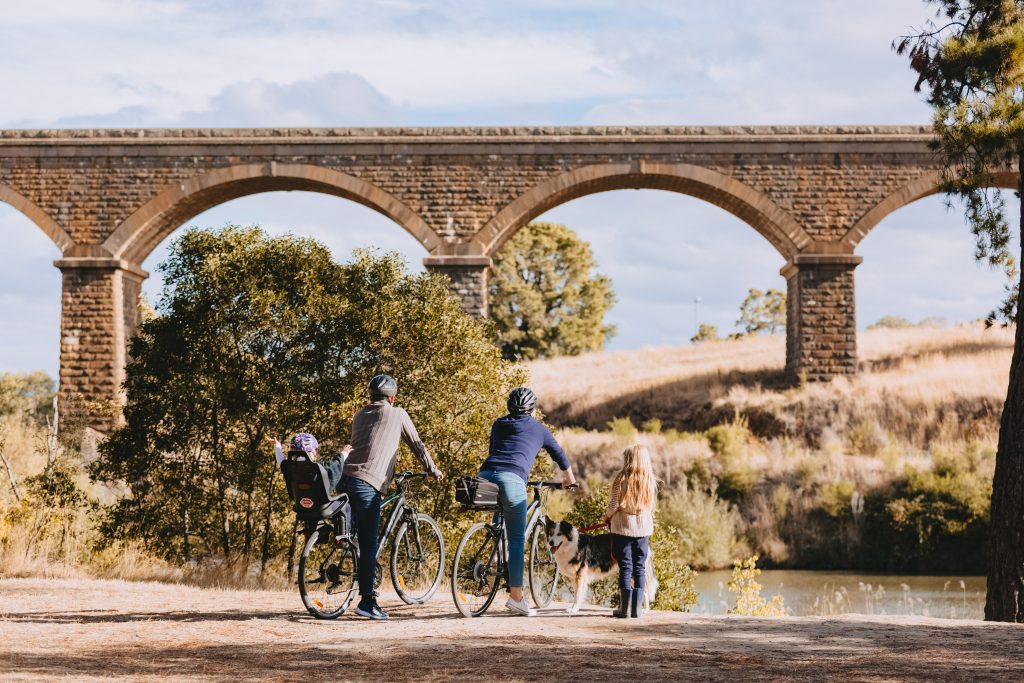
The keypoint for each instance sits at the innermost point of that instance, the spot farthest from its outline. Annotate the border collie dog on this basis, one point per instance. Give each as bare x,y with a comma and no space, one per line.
583,558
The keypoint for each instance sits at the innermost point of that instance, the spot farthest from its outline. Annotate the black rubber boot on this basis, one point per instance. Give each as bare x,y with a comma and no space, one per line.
625,599
636,602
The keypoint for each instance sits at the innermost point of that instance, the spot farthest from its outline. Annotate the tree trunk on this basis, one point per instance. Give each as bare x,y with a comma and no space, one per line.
1005,598
265,550
291,551
221,487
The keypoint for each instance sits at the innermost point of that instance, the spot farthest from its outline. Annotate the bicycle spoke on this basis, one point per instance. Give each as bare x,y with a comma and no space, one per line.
417,559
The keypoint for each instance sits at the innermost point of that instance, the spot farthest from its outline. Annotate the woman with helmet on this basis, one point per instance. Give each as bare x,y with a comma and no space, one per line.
516,439
376,432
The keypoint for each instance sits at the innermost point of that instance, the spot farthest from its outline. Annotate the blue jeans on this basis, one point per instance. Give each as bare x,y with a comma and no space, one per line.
365,502
512,498
631,553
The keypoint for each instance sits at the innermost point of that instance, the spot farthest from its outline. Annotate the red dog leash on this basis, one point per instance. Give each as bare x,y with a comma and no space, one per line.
593,527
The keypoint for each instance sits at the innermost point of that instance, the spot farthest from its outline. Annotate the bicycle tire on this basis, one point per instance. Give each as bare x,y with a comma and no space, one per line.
417,582
327,575
542,567
474,581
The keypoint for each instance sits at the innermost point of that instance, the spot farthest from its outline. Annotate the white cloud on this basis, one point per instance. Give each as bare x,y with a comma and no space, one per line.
402,62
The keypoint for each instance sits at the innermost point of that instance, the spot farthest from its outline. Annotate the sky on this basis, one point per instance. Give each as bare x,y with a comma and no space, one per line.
224,63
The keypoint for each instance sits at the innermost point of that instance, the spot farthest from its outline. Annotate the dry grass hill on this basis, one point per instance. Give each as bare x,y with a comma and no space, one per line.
922,384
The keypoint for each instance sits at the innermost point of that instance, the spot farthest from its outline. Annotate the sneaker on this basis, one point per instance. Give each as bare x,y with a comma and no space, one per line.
520,607
371,611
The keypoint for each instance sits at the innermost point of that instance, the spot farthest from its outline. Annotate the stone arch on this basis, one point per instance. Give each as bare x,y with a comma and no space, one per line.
141,232
744,202
919,188
35,214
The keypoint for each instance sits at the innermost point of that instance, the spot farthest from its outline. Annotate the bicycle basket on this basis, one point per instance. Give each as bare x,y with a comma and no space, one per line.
476,493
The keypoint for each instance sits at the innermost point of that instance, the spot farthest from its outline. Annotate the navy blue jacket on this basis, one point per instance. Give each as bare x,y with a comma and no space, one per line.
515,442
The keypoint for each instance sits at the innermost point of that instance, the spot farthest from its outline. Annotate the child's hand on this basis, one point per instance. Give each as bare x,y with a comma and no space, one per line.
272,440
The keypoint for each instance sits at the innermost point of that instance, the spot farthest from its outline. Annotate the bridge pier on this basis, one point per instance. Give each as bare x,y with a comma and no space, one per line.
821,320
468,279
99,314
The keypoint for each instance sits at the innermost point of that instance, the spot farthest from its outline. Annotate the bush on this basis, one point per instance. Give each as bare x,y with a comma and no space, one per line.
622,427
749,601
929,521
705,528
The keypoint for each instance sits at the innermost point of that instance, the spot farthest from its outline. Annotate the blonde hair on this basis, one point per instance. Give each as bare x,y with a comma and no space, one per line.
637,485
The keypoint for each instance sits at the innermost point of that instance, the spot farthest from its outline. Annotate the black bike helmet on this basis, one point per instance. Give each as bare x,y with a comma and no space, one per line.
382,386
521,400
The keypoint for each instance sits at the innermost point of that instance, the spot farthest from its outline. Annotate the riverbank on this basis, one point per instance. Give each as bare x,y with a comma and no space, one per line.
92,630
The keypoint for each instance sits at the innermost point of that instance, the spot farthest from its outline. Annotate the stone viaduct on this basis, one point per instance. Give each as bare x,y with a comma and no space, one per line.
108,197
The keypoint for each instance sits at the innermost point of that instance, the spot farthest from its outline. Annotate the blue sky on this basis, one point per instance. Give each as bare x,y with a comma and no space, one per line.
95,63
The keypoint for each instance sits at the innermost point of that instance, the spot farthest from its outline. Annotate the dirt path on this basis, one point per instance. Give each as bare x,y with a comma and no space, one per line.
89,630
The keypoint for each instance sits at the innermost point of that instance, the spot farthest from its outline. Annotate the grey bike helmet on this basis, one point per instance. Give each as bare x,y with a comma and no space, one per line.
521,400
382,386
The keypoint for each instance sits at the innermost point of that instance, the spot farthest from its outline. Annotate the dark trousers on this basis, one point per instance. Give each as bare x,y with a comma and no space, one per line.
365,502
631,553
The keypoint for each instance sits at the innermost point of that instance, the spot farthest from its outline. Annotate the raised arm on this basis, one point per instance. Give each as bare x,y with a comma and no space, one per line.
278,452
558,455
412,440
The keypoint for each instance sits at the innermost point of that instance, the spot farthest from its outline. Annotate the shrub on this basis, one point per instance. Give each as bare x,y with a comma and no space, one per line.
866,438
749,601
929,521
729,441
622,427
705,528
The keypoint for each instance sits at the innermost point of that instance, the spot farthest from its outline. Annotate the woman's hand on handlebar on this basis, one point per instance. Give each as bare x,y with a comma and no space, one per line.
438,476
568,479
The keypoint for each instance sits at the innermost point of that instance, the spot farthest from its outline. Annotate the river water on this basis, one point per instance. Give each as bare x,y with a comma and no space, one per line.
823,593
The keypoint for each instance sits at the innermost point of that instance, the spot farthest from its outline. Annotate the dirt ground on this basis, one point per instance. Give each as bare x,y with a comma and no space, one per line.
92,630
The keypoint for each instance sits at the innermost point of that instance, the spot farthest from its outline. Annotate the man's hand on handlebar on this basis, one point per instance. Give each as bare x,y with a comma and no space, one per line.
439,476
568,479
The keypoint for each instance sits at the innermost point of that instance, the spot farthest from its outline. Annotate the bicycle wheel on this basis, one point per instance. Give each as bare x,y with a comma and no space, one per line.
476,571
327,574
543,569
417,559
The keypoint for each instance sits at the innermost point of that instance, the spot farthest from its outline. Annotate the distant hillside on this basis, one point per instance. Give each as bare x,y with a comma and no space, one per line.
920,383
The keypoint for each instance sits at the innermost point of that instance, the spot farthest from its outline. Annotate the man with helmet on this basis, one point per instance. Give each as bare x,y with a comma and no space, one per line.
376,432
516,439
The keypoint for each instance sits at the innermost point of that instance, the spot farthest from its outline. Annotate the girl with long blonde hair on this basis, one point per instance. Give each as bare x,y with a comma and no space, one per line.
630,515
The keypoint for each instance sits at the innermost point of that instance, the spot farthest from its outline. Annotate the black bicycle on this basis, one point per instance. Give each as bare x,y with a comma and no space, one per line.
481,562
328,565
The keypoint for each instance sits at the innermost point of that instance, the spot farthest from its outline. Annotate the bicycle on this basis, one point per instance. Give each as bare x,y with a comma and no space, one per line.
481,559
330,557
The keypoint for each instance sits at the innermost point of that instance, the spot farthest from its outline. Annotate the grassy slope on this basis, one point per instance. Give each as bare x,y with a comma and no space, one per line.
912,381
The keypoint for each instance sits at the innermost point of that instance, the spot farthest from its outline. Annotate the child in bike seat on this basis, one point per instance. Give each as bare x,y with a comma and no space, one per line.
304,446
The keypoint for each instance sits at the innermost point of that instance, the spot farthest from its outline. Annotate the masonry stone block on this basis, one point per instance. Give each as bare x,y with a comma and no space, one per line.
108,197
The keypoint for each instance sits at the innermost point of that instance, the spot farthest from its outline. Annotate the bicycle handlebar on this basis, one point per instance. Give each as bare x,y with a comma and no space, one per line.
550,485
409,474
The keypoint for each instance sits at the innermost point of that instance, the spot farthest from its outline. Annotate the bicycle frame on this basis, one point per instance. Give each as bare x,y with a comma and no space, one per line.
497,525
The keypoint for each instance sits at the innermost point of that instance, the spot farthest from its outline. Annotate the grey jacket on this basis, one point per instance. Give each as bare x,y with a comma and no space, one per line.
376,430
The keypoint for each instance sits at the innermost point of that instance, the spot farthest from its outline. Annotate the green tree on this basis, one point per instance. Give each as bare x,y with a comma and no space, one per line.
971,65
26,393
264,336
705,333
891,322
546,299
763,312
